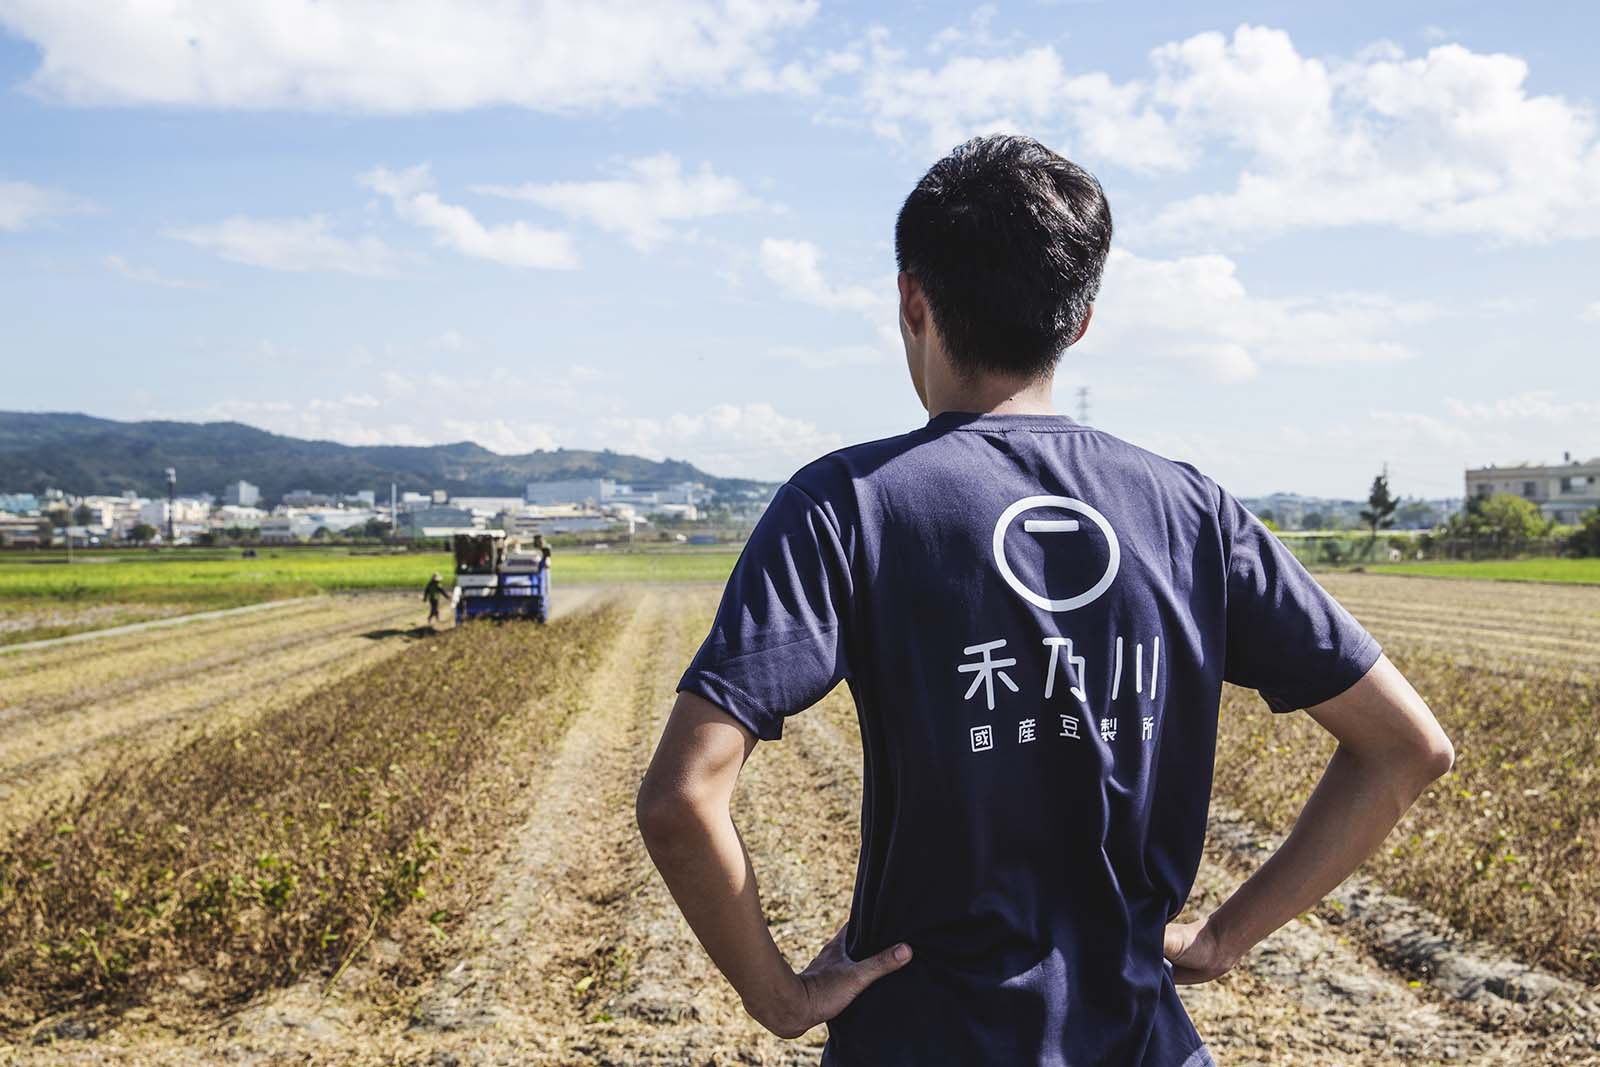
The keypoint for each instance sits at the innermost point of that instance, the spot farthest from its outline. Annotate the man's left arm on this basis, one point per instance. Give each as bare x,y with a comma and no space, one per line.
685,817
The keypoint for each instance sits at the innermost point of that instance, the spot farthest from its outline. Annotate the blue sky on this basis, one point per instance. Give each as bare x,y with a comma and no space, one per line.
1344,237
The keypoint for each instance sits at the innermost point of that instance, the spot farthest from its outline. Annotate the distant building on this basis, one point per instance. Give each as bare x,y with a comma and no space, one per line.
187,513
555,518
645,499
573,491
302,524
1562,492
428,523
279,528
20,533
488,506
238,516
242,494
305,498
685,493
19,503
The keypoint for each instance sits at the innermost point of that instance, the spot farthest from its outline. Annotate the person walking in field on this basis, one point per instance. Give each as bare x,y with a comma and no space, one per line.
1035,619
433,593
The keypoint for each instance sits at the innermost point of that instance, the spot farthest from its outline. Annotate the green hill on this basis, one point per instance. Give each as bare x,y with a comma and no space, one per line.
82,454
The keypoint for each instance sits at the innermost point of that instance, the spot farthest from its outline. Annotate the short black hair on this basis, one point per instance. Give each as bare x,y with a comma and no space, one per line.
1008,240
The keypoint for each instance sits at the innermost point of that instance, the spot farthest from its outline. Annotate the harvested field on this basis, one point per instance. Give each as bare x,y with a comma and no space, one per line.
561,946
1506,846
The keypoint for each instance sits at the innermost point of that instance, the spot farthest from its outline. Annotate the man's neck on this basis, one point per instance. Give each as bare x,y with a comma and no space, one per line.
994,396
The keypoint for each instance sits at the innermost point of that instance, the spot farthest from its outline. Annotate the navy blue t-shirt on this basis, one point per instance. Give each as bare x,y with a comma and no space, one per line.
1035,619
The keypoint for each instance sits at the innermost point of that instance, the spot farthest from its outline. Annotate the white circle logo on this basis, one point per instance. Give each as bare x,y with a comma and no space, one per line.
1028,503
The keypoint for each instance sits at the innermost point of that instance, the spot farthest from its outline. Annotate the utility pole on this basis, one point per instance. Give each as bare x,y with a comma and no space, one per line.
1083,404
172,503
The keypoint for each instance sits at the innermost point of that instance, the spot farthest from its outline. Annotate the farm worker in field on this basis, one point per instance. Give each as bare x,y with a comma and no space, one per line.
542,548
1034,619
433,592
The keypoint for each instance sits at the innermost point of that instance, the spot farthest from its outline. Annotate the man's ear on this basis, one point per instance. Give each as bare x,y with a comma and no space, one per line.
1083,329
913,305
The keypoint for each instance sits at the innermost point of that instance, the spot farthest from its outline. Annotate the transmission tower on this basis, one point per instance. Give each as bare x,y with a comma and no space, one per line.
1083,404
172,504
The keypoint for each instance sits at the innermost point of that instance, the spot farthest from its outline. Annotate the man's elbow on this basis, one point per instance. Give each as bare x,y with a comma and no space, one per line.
663,814
1425,759
1437,756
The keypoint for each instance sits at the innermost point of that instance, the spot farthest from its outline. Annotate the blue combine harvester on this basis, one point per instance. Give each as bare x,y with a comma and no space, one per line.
497,579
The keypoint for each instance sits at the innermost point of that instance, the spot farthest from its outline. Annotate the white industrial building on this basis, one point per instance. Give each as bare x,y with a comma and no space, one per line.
593,491
241,494
598,492
238,516
1563,492
297,524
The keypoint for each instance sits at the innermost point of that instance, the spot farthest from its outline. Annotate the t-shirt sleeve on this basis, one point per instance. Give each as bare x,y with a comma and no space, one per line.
1288,638
777,645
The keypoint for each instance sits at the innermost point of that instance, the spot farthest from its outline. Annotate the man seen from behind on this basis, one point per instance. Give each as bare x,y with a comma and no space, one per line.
1034,619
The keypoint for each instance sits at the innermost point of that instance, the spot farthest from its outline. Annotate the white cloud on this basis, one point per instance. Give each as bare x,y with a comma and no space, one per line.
22,204
751,440
796,267
1196,308
1452,142
1539,406
653,192
148,275
304,244
1448,143
1029,90
978,32
401,55
360,418
513,244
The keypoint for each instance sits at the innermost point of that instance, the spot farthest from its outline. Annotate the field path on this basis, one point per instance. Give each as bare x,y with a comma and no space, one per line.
578,956
152,624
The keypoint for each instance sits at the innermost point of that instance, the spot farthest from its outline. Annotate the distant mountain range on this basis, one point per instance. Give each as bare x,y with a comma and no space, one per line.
81,454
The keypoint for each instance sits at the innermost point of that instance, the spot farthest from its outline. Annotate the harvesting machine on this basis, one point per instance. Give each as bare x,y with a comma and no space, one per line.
498,578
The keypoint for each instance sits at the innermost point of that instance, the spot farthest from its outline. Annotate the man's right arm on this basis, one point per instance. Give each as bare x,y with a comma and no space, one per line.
1390,748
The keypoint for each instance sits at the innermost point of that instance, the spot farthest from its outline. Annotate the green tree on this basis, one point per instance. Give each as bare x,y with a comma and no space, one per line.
1314,520
1379,512
1586,541
141,534
1510,521
82,515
